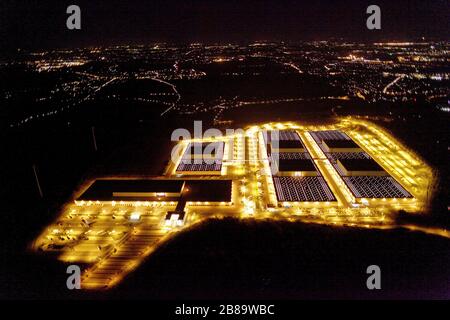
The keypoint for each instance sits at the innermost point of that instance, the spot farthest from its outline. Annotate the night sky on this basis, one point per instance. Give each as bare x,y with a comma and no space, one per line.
34,24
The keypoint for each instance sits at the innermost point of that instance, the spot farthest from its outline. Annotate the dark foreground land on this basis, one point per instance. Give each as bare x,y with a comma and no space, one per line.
247,259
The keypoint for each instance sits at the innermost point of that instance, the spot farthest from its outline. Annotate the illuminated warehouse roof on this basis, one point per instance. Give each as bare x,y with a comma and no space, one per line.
297,179
186,166
132,190
360,167
345,145
319,136
376,187
204,150
363,176
202,158
304,166
285,135
158,190
287,146
208,190
302,189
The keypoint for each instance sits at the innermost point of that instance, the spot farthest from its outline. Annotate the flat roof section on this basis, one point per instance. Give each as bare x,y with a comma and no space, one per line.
103,190
329,135
192,166
208,190
290,144
287,146
209,149
302,189
348,155
298,165
281,135
288,135
340,144
291,155
360,165
375,187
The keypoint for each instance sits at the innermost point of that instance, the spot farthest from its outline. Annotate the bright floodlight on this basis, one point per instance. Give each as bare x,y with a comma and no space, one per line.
135,216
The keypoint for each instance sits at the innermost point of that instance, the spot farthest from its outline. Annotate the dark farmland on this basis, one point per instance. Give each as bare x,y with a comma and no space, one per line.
230,259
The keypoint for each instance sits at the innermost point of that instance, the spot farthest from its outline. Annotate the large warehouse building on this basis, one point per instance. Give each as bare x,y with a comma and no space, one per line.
296,177
202,158
363,176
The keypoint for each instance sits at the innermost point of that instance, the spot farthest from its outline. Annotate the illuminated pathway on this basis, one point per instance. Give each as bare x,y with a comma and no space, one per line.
139,244
111,239
392,83
174,88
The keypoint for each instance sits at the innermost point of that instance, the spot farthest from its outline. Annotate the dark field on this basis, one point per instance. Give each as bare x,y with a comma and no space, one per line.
230,259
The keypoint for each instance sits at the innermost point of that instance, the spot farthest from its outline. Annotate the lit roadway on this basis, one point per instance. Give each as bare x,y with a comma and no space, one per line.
393,82
174,90
112,239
